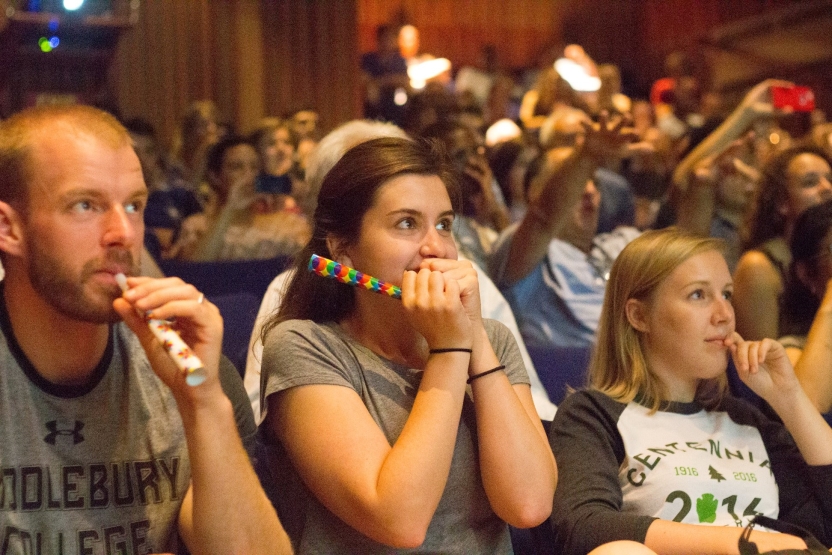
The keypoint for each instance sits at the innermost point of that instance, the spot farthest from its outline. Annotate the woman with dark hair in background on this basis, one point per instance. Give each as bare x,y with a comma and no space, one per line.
792,181
239,223
806,307
409,423
280,173
197,133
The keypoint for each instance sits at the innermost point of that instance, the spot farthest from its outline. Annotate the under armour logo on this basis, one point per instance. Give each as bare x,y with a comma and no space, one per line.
54,432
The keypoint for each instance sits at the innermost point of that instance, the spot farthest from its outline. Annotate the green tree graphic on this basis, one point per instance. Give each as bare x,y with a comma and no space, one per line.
706,507
715,475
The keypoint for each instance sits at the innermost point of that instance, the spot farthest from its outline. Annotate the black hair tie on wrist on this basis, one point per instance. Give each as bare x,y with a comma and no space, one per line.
450,350
487,372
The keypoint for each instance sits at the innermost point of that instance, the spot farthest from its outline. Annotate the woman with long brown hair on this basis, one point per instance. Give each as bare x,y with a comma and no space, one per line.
403,424
793,180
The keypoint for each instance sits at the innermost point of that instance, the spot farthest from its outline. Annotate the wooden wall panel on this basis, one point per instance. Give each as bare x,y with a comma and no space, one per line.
458,29
669,25
311,58
165,62
248,70
220,64
252,57
277,46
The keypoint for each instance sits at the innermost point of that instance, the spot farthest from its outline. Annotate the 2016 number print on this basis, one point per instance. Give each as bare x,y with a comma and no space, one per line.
706,507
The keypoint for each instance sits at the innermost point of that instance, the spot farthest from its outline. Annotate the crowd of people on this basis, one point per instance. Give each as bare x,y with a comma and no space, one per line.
670,236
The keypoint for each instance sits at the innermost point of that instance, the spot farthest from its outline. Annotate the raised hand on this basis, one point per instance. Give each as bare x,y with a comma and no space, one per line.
758,100
612,137
477,168
488,210
242,194
198,322
711,169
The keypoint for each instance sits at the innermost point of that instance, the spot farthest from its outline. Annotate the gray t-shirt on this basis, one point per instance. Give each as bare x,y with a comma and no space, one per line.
99,468
301,352
94,469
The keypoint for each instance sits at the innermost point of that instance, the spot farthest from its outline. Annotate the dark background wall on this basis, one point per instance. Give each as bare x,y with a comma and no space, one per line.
252,58
268,57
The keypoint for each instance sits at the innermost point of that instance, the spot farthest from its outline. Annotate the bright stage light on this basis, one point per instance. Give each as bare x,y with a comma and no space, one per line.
73,5
421,72
576,75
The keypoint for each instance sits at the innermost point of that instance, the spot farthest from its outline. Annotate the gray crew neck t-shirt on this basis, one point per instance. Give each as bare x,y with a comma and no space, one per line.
301,352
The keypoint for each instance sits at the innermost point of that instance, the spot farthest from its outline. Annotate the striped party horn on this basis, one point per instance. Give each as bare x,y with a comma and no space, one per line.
330,269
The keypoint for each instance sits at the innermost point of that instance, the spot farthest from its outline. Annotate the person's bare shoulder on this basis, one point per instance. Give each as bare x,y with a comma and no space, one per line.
756,270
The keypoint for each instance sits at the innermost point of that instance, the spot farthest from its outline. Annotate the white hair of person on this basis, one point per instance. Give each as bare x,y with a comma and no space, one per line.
501,131
332,147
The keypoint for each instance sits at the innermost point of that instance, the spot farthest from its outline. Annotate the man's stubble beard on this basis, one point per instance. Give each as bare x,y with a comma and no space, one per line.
72,296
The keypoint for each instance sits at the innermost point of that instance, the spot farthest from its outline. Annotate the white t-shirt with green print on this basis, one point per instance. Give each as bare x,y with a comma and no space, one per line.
699,468
620,468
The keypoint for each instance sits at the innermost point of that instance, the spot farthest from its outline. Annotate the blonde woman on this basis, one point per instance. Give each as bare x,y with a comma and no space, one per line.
670,451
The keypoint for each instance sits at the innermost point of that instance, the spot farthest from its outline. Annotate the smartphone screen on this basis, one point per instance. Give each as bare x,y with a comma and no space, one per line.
275,184
799,99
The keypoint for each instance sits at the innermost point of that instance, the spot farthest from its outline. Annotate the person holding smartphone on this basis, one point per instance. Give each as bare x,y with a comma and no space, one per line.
239,223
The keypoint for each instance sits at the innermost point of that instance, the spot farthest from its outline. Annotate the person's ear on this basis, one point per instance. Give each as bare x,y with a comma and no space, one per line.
11,230
636,312
338,249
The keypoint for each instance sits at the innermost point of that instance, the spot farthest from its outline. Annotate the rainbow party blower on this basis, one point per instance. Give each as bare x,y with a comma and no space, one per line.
329,268
182,355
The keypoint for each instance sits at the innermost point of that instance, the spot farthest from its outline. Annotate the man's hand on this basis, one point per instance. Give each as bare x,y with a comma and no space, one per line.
196,320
